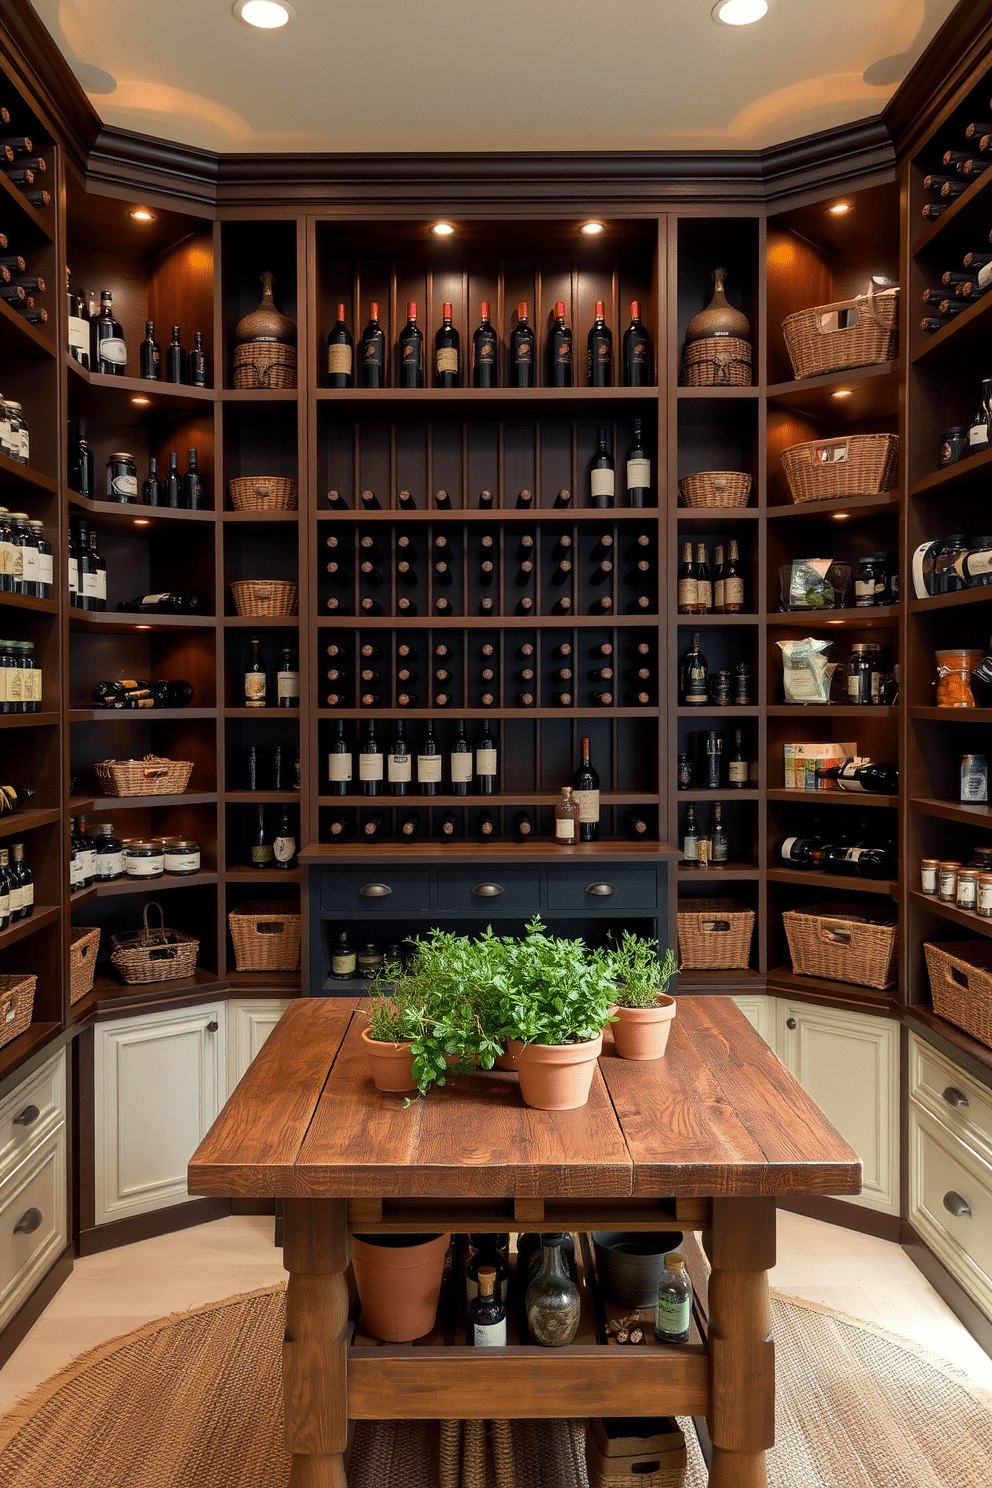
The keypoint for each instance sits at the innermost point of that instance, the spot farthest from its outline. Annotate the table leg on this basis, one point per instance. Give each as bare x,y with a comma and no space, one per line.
314,1356
741,1248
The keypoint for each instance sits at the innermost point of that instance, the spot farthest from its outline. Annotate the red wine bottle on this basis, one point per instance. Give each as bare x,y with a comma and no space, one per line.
559,350
522,350
485,352
600,351
411,349
447,354
373,351
637,369
340,354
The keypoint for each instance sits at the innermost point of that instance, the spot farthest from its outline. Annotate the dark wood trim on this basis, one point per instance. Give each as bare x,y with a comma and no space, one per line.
845,1216
950,1290
254,1206
42,70
146,1226
962,43
25,1318
84,1133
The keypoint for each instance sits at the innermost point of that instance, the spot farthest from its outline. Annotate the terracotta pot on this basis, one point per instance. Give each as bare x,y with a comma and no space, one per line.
399,1283
642,1033
508,1059
390,1065
557,1077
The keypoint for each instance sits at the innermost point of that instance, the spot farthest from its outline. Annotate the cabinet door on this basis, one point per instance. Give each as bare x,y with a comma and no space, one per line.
849,1063
759,1011
249,1024
158,1084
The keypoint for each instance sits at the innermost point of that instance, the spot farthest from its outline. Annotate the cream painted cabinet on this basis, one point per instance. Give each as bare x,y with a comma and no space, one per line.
759,1011
249,1023
33,1183
159,1082
849,1064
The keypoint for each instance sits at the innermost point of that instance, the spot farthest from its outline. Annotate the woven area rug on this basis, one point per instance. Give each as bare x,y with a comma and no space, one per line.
193,1401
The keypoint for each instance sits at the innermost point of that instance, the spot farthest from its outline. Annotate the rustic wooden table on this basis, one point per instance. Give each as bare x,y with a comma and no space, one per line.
705,1139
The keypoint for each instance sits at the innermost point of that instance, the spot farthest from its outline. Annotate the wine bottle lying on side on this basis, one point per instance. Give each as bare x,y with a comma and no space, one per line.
164,604
14,798
138,692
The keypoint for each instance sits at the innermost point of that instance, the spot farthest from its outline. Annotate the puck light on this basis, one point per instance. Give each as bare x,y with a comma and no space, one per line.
266,15
740,12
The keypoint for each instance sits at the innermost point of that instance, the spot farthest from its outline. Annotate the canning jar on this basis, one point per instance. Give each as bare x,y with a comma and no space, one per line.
143,859
122,478
182,855
954,668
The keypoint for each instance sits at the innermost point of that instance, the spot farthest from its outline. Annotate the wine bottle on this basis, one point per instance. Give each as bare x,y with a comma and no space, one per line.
719,846
585,792
638,470
172,488
340,354
447,353
192,484
370,607
602,605
175,359
261,847
485,353
288,680
339,763
198,362
737,765
635,824
522,350
695,675
599,344
429,764
559,350
14,798
406,606
704,582
370,763
690,838
637,368
284,843
978,431
373,824
398,764
151,491
80,467
601,652
373,351
460,763
871,778
163,604
24,881
150,355
487,826
487,1312
77,321
255,679
369,500
522,824
486,759
411,351
485,500
409,824
93,573
733,581
448,826
371,574
688,589
859,860
108,353
602,477
406,501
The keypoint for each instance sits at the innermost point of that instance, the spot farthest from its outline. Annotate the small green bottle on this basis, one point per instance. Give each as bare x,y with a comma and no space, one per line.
673,1309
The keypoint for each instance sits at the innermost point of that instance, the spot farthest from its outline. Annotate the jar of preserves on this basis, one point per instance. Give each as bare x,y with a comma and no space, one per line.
947,881
182,855
122,478
955,545
18,442
953,444
954,668
967,890
868,577
928,875
984,904
143,859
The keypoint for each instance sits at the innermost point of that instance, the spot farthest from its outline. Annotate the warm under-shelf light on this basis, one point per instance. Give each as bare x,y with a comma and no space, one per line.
442,229
841,516
141,521
140,402
141,214
842,393
839,208
592,229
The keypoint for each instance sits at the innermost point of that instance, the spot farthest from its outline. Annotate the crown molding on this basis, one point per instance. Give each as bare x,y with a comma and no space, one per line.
46,77
929,90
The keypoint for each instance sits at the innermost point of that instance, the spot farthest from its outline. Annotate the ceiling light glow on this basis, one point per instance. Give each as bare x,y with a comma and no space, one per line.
442,229
740,12
141,214
839,208
592,229
266,15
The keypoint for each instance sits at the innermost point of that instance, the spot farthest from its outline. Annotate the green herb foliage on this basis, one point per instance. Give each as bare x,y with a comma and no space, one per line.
638,969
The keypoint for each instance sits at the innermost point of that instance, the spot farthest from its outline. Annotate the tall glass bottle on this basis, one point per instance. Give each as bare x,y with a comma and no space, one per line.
447,353
340,354
339,763
108,353
261,846
638,469
192,484
460,763
151,490
284,843
485,352
398,765
673,1309
150,355
552,1299
637,368
77,325
695,675
198,362
173,487
288,680
486,761
25,881
559,350
602,476
585,791
255,679
411,350
175,358
522,350
687,588
599,346
733,581
429,764
370,763
80,473
373,351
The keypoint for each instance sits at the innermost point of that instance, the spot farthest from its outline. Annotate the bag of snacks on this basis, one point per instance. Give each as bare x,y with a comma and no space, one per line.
806,672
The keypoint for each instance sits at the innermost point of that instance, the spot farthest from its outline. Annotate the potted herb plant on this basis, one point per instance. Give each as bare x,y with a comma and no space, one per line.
388,1039
643,1012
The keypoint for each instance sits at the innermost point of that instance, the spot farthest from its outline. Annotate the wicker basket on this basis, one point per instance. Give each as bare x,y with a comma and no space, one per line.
843,943
158,955
151,776
266,936
717,361
714,933
715,488
961,985
16,1002
857,465
263,493
264,364
647,1470
819,343
265,597
82,962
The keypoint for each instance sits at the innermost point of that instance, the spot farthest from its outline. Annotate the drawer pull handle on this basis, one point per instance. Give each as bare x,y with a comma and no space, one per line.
28,1222
375,891
27,1117
956,1205
790,1023
601,890
487,890
212,1026
955,1097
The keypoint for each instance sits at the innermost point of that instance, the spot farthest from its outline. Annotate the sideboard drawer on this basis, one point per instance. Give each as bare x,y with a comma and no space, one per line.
609,887
950,1204
484,892
954,1097
382,892
32,1221
28,1113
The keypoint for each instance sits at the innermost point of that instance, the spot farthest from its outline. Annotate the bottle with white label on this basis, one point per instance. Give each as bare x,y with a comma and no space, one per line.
284,843
288,680
45,575
978,430
460,763
77,326
340,354
602,476
429,764
446,353
486,761
86,853
585,793
638,470
108,353
255,678
487,1313
109,854
399,765
339,764
566,819
8,890
370,763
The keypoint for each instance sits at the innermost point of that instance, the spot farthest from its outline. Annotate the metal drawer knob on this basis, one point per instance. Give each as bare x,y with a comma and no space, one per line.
955,1097
375,891
27,1117
790,1023
956,1205
487,890
602,890
28,1222
212,1027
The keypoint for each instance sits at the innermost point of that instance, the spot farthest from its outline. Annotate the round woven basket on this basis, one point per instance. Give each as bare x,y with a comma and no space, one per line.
715,488
264,364
263,493
265,596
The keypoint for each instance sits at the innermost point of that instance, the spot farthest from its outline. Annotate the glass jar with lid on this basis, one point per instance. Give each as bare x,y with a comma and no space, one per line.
182,855
7,665
955,545
14,552
143,859
109,854
31,687
26,558
953,444
865,574
122,478
966,896
6,552
20,443
4,428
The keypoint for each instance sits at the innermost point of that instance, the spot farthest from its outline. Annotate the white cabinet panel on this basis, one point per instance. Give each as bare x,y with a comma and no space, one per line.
249,1024
759,1010
31,1111
950,1203
33,1225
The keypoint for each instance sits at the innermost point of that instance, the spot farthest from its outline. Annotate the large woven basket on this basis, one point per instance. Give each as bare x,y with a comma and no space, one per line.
82,961
843,943
961,985
715,488
855,465
646,1470
151,776
263,493
264,364
154,955
266,936
265,596
714,933
820,340
16,1003
717,361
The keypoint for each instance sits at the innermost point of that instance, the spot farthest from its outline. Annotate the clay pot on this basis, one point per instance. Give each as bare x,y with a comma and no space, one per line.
508,1059
390,1065
629,1263
399,1283
266,323
642,1033
557,1077
719,318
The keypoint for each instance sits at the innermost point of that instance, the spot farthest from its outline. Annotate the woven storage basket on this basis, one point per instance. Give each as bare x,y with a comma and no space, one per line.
818,342
715,488
264,364
843,943
16,1002
717,361
714,932
82,962
151,776
961,985
263,493
265,596
158,955
266,936
647,1470
857,465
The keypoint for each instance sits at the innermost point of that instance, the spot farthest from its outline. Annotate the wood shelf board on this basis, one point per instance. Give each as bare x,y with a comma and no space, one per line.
26,475
28,720
258,395
26,821
28,602
137,715
854,506
689,622
951,715
260,518
564,514
871,617
123,515
17,199
832,710
111,998
560,399
741,871
165,398
489,622
44,915
951,475
966,918
874,393
150,886
722,794
839,884
703,515
34,1038
287,983
266,622
714,710
730,394
121,623
286,714
981,594
478,714
261,797
784,979
977,814
960,207
439,854
245,873
955,1036
497,799
19,336
830,798
143,803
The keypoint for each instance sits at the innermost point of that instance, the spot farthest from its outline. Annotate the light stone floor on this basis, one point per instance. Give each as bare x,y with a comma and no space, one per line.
111,1294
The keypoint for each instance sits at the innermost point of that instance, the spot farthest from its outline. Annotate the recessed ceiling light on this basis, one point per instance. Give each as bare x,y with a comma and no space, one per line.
842,393
839,208
141,214
740,12
267,15
592,229
442,229
141,401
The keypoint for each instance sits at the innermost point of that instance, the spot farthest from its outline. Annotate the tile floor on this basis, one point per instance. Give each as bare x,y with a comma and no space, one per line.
111,1294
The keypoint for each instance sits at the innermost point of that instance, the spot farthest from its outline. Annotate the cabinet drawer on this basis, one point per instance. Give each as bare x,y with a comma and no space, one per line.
607,886
498,892
958,1100
32,1221
946,1176
28,1113
383,892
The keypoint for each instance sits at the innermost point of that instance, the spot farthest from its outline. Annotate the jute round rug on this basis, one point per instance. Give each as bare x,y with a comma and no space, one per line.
193,1401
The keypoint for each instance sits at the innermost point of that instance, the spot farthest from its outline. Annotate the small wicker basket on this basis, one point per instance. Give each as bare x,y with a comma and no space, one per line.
16,1003
714,933
263,493
715,488
154,955
820,341
151,776
264,364
717,361
82,962
647,1470
961,985
843,943
856,465
266,936
265,597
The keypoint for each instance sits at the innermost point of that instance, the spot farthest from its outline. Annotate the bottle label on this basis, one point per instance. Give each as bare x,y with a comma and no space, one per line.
854,689
461,768
109,864
284,849
178,862
27,896
690,849
588,803
124,485
288,684
737,772
339,767
489,1335
88,865
446,359
369,766
144,867
564,829
638,474
254,689
400,768
787,847
75,876
73,572
261,854
429,769
29,562
91,585
25,445
485,762
339,359
112,349
46,569
978,435
979,563
733,592
688,593
344,964
16,898
602,482
79,335
852,854
704,595
672,1315
101,584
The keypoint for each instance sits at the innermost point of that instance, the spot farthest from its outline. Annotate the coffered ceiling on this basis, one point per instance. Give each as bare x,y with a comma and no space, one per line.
442,75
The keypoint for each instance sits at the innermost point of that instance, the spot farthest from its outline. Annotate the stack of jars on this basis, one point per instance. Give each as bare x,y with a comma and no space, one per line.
20,678
966,885
25,556
14,440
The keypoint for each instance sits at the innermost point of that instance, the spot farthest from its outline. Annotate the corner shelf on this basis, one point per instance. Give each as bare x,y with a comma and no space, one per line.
978,814
966,918
839,884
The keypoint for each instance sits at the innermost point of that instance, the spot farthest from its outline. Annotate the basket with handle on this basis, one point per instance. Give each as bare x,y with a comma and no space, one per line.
961,985
264,364
263,493
82,961
266,936
154,954
717,361
854,465
16,1004
715,488
843,943
265,597
851,333
714,933
151,776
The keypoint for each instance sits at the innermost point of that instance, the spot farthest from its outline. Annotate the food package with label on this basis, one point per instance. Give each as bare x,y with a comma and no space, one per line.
806,671
801,760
